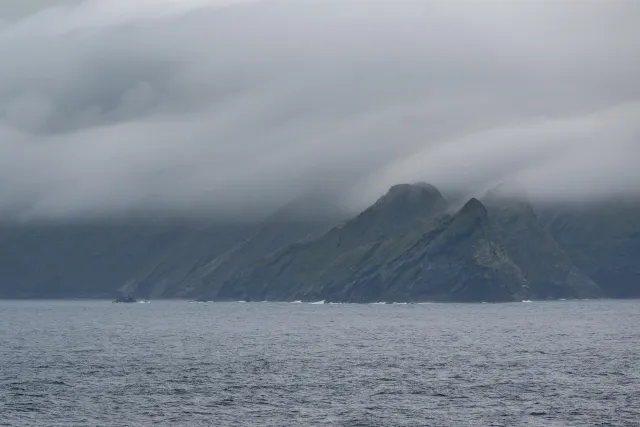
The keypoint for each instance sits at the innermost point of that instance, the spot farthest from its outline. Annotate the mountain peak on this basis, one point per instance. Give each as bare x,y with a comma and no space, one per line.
471,215
411,195
474,208
400,210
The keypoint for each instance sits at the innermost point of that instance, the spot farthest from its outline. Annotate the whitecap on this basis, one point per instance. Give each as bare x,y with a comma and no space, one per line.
318,302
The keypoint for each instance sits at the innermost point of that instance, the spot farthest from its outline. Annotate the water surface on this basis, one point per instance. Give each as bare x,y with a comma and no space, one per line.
68,363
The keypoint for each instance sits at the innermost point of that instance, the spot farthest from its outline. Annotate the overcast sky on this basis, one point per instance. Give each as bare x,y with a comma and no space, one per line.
236,107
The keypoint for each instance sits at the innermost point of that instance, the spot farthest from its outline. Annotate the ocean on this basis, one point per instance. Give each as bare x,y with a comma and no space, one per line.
176,363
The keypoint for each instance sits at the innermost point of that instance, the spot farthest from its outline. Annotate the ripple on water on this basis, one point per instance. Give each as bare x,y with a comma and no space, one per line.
173,363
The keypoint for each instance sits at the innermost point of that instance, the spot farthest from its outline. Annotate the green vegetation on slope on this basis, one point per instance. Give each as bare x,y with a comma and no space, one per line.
603,239
405,248
411,245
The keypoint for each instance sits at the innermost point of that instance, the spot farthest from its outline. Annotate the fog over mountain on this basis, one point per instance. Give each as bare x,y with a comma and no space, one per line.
229,108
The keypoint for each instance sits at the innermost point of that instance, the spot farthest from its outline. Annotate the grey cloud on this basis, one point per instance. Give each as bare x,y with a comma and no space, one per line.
573,158
215,108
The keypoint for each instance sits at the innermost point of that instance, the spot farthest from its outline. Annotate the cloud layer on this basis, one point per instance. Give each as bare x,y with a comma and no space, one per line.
225,108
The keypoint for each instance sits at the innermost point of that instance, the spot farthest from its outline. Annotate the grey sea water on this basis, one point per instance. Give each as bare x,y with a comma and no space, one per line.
68,363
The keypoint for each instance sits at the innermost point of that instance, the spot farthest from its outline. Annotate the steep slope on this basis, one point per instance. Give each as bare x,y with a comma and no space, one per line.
154,259
404,248
292,270
304,218
603,239
96,260
411,245
548,268
205,281
187,251
452,259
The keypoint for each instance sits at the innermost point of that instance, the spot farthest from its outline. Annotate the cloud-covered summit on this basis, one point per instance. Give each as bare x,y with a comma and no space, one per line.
235,108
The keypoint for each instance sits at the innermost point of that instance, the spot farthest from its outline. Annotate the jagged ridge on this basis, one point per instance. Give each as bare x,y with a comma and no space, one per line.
412,244
406,248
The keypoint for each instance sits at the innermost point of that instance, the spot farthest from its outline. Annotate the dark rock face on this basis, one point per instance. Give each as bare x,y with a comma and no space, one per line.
406,248
156,260
412,244
299,271
298,221
100,260
548,268
603,239
205,281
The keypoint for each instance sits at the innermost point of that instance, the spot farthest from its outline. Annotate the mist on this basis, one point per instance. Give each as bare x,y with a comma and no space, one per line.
235,108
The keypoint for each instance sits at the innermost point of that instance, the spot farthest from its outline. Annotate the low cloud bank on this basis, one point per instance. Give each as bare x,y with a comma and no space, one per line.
235,108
